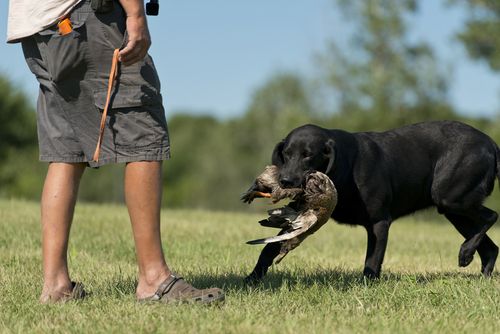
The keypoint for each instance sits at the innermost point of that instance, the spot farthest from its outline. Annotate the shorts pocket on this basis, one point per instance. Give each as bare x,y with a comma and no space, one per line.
127,96
136,116
67,60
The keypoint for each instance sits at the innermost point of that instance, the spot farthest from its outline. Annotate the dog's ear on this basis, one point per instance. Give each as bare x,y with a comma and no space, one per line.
332,156
277,158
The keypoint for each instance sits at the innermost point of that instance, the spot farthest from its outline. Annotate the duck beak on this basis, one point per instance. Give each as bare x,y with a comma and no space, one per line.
255,194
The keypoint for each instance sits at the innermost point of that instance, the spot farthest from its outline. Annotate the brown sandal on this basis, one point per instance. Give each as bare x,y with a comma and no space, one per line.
175,289
78,293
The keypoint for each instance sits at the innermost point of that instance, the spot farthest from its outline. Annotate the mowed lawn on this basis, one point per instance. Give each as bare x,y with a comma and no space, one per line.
317,288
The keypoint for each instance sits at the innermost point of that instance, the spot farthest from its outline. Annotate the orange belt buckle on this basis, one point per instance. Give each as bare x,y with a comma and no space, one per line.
65,26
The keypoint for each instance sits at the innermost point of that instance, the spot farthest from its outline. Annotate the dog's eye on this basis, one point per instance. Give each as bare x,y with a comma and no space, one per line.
307,155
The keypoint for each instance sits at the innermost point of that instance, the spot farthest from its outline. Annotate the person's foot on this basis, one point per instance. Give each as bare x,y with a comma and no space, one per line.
64,294
175,289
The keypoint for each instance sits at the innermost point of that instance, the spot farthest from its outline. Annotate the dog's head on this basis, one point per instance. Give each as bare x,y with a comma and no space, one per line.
306,149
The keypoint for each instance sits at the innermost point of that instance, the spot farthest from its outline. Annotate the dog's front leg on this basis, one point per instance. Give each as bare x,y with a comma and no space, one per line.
266,258
378,234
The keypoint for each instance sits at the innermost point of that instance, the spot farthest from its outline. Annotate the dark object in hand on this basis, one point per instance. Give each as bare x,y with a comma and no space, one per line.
152,7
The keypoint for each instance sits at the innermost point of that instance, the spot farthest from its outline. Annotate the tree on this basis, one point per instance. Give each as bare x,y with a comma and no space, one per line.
480,33
17,120
278,106
214,162
481,39
378,78
19,174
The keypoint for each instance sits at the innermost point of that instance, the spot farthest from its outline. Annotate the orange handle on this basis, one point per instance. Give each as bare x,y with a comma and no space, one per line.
65,26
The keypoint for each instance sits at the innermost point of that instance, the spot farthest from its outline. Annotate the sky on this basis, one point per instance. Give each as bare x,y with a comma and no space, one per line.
212,55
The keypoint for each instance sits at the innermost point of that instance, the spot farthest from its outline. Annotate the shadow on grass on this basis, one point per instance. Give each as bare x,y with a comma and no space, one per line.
338,279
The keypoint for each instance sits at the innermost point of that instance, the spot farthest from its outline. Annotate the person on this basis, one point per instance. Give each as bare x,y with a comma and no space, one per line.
73,66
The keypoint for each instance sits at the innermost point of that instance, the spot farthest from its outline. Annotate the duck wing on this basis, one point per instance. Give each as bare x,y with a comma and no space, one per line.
280,218
303,222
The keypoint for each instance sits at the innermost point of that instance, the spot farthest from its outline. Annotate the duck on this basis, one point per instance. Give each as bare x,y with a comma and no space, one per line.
312,207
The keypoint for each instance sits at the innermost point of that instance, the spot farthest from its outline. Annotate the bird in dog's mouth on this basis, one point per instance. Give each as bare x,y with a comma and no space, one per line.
311,207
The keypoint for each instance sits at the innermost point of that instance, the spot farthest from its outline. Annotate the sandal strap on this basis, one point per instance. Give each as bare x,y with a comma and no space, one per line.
78,291
167,285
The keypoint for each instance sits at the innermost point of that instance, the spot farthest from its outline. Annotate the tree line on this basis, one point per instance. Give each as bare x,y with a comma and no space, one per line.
373,80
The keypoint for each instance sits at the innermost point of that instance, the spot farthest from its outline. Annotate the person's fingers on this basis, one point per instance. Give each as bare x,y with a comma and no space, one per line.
133,53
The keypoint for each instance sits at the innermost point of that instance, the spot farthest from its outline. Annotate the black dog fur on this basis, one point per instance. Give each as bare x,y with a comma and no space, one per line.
383,176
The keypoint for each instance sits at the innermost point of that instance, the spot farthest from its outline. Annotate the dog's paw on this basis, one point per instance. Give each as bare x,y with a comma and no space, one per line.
252,280
488,260
465,256
370,274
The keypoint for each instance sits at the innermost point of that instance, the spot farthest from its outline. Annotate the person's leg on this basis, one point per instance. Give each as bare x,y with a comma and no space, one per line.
143,192
58,204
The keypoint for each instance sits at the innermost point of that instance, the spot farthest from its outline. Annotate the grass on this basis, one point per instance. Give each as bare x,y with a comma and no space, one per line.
318,288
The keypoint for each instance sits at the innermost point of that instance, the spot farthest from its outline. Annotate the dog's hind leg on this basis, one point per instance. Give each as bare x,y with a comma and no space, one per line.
484,219
475,239
266,258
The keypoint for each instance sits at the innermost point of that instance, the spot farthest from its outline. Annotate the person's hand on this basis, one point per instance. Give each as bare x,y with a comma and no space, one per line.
139,38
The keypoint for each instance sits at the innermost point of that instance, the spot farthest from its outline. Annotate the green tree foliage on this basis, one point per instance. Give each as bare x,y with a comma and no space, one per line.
480,36
186,174
19,174
480,33
17,119
379,79
213,162
280,105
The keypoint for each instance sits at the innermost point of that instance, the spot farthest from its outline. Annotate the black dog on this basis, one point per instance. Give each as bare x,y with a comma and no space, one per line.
383,176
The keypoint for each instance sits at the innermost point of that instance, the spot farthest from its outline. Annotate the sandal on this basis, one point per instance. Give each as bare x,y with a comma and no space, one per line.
175,289
78,293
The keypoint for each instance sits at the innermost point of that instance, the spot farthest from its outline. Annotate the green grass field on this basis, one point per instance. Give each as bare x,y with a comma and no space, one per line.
318,288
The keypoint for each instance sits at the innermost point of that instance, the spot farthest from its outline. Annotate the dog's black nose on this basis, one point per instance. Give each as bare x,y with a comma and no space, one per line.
287,181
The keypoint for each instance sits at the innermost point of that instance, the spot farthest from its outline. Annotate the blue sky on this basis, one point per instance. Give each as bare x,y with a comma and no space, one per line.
211,55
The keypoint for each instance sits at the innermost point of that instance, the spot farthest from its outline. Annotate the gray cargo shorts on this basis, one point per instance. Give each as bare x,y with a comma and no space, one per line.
73,72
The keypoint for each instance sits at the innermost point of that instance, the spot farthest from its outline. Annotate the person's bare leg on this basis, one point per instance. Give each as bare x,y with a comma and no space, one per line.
58,204
143,192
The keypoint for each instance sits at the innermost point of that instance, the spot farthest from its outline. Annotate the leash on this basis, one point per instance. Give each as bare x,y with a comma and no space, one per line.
112,77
